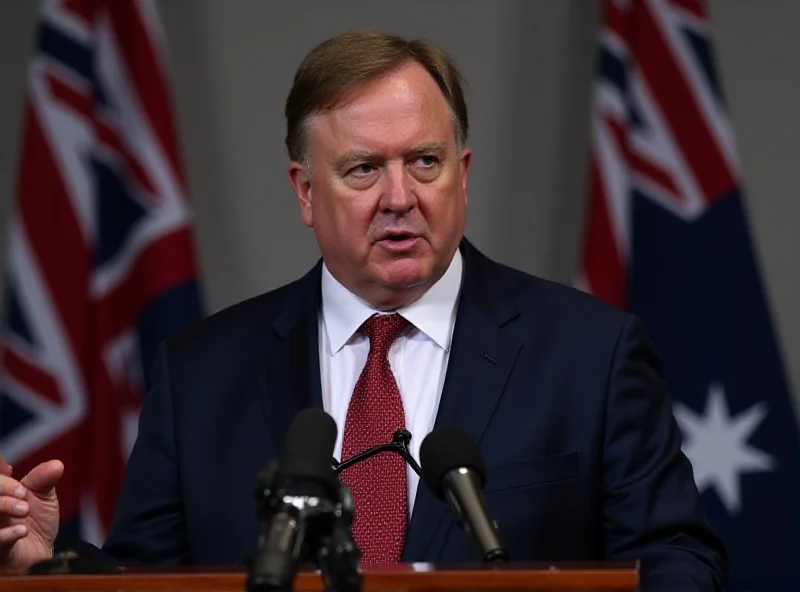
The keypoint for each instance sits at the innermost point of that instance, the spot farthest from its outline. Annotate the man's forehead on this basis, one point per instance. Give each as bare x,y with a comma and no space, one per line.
394,113
397,132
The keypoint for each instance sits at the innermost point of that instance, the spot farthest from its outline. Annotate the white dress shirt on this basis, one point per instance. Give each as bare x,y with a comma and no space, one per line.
418,358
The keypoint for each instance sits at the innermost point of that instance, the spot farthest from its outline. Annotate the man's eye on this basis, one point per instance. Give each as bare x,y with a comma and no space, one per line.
363,169
427,160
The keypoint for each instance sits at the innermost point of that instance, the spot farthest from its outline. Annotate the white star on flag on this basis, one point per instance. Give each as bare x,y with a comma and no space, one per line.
716,444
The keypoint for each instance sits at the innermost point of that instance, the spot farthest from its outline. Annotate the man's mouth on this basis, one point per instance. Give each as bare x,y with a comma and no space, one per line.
398,236
398,242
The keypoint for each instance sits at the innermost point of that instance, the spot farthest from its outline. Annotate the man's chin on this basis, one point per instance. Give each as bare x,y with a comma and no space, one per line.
399,284
403,288
405,272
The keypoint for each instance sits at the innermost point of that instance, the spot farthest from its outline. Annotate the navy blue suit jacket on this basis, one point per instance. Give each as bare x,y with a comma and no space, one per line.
562,392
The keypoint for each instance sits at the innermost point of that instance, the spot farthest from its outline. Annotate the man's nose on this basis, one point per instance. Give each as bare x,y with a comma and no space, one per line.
398,195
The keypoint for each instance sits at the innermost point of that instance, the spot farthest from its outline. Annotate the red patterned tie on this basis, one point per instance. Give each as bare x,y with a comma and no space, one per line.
378,484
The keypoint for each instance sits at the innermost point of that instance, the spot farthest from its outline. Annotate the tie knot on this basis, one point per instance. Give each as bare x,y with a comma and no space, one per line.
382,330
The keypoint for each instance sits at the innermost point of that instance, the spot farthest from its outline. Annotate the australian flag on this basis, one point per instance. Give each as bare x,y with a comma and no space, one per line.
100,263
667,238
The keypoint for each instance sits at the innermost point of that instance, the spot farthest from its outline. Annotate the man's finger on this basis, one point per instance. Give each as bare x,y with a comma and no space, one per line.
5,468
44,477
11,534
12,487
14,507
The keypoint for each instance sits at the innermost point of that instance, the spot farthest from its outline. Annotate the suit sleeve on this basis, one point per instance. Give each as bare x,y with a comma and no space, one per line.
652,509
148,525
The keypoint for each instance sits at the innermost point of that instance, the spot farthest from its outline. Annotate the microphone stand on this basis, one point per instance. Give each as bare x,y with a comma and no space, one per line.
315,528
399,444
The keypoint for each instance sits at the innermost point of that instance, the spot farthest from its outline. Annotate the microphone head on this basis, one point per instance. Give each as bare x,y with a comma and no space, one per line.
309,444
445,449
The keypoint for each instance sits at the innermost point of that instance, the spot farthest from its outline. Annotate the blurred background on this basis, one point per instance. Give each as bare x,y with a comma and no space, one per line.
531,67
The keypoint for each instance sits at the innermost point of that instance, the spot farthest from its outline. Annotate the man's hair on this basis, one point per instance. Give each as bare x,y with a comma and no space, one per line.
338,67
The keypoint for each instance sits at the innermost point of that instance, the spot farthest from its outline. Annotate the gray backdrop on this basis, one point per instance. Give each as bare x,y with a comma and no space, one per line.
529,66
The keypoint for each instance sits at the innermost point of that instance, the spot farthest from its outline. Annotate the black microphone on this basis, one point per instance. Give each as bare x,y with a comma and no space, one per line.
305,511
454,470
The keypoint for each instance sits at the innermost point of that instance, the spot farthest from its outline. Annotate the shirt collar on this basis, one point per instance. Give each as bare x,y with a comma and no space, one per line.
433,313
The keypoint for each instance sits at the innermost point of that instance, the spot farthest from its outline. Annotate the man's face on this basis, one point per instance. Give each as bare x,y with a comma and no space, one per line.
387,193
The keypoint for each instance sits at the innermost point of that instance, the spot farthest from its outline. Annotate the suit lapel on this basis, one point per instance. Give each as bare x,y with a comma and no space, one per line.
288,372
482,355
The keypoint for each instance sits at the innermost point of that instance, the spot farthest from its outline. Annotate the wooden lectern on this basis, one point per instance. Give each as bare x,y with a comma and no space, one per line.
618,576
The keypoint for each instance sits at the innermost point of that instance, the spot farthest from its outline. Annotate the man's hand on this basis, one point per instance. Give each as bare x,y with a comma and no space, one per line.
28,514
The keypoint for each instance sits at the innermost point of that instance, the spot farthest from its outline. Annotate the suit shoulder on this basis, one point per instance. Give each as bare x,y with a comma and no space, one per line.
564,303
557,317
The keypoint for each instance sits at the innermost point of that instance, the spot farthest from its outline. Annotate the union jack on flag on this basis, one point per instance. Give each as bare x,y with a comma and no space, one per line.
668,239
100,264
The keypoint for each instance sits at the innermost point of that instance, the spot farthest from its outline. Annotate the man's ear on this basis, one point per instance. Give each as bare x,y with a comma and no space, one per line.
466,160
301,183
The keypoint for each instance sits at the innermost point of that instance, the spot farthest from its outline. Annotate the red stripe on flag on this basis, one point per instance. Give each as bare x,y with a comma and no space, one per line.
615,20
29,375
145,69
53,232
603,267
77,100
678,106
109,137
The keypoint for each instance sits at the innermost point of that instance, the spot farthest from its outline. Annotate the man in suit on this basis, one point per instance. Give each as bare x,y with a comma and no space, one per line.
402,323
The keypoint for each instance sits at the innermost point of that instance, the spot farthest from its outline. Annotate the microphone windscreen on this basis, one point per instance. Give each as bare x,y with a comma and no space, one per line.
445,449
309,444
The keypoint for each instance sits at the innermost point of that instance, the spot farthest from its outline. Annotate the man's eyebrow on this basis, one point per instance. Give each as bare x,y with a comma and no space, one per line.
439,147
